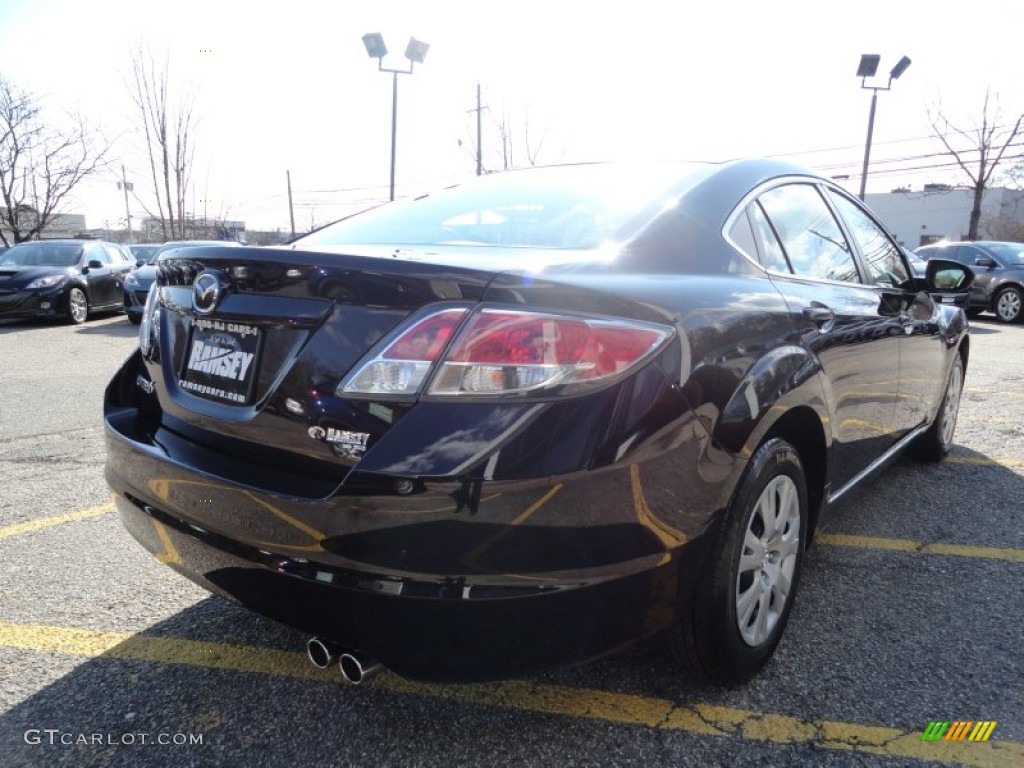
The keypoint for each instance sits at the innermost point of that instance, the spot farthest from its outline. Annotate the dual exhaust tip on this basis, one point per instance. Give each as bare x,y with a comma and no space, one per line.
355,667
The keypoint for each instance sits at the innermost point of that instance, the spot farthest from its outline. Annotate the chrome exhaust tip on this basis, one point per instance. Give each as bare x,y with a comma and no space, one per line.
322,653
357,667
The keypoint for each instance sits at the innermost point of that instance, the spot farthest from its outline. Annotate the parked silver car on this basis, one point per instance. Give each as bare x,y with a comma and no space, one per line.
998,275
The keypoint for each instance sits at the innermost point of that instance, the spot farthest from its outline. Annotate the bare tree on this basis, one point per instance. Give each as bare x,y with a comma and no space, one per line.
513,140
40,163
989,140
166,117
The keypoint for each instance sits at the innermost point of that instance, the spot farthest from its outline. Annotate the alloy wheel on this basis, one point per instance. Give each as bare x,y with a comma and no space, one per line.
951,406
78,305
1008,306
768,560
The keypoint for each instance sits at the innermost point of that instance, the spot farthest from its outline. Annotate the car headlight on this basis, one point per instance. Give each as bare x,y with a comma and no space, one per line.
46,282
131,281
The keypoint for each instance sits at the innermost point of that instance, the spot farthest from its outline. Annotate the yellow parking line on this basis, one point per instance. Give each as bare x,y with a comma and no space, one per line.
1005,393
1011,463
908,545
34,525
523,696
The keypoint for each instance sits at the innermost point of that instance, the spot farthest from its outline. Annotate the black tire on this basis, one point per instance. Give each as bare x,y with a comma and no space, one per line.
76,306
1009,304
934,444
135,319
715,639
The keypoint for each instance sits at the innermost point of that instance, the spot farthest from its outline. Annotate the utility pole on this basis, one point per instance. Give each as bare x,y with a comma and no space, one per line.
127,187
479,133
291,208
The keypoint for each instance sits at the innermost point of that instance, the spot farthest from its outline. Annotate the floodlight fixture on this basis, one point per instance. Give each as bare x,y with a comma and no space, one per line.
868,64
868,67
375,48
900,68
416,51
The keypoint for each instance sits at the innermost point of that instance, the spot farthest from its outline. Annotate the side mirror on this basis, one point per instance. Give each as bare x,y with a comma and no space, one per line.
984,261
94,264
949,279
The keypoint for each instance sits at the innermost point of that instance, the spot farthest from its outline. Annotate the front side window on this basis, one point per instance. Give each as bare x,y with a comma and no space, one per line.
969,255
98,252
810,234
881,255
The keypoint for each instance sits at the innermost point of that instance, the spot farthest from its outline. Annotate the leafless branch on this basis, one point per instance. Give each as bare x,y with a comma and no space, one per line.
41,163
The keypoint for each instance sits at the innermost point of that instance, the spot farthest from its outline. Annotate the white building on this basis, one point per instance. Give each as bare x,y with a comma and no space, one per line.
196,229
940,213
60,225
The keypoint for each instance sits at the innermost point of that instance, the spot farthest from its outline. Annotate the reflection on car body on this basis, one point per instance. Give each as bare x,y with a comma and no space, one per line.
137,285
530,419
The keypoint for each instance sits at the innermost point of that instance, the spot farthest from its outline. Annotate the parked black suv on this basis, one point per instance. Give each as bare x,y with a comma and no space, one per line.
998,275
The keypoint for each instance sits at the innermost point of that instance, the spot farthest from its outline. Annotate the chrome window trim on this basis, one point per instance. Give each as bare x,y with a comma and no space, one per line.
779,181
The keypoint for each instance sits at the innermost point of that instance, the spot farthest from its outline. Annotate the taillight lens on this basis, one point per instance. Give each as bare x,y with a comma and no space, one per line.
505,352
510,352
405,362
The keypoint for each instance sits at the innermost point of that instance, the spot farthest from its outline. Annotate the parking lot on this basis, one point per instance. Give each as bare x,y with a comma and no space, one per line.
909,612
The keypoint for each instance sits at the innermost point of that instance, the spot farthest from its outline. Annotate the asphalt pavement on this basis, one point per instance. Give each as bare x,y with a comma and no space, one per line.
909,612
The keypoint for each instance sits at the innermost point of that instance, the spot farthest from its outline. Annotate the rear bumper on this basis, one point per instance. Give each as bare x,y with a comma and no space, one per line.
135,301
446,584
444,634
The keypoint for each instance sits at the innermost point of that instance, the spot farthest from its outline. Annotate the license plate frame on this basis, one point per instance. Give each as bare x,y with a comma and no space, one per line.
221,361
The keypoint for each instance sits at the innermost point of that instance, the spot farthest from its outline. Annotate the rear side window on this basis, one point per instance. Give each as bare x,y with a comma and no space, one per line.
810,235
772,255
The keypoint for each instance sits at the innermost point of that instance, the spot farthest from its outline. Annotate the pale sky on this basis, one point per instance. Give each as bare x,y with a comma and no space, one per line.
292,88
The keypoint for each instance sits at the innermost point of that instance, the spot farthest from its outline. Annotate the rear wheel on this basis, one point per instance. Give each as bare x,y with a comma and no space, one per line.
77,309
1009,303
740,609
934,444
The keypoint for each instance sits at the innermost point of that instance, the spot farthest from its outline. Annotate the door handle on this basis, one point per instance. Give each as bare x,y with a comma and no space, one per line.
820,315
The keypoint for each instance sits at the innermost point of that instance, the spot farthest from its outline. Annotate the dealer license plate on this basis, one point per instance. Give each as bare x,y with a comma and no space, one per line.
222,361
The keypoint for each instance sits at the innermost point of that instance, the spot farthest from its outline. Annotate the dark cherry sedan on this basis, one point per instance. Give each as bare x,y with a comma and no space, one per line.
529,419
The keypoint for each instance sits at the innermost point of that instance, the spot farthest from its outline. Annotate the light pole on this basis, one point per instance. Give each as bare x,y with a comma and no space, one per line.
868,67
415,52
127,187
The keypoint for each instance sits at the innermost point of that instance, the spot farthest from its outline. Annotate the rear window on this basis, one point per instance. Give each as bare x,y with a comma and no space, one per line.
572,207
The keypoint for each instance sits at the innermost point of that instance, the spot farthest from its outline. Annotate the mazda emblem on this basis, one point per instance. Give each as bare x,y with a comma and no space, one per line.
206,290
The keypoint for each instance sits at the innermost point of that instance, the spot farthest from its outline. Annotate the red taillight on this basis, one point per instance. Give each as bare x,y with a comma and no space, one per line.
425,340
405,362
503,351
